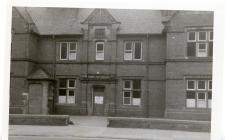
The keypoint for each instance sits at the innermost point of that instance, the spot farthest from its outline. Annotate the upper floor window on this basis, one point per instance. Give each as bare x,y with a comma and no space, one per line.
199,93
99,50
67,89
132,92
133,50
199,44
99,33
68,50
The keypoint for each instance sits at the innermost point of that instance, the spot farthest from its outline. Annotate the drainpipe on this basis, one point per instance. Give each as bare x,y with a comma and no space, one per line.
87,69
54,74
147,77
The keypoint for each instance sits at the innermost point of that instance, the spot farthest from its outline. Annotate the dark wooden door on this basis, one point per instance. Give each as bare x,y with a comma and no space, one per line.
98,101
35,98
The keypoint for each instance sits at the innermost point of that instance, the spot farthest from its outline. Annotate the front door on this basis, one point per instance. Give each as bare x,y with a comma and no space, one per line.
35,98
98,100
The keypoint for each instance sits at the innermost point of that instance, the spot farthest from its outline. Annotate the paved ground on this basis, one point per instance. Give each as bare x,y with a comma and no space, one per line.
94,128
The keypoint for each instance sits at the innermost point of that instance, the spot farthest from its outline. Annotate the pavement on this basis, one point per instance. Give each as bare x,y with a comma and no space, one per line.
95,128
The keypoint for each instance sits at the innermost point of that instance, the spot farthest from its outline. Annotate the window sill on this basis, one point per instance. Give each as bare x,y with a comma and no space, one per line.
64,104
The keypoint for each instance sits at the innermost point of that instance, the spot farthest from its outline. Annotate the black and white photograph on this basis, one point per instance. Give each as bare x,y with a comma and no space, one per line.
99,73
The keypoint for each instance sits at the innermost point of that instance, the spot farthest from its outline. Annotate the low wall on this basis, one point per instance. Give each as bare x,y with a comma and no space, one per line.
159,123
28,119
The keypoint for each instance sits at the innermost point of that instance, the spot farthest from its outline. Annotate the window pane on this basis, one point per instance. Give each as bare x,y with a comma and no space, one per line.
63,83
137,54
202,35
71,97
100,47
127,84
210,95
190,95
201,102
128,46
210,84
126,101
136,101
99,33
211,35
72,46
136,94
191,49
201,96
127,94
191,84
202,46
127,55
202,50
210,48
191,36
62,96
190,103
71,83
72,56
63,54
136,84
201,85
99,56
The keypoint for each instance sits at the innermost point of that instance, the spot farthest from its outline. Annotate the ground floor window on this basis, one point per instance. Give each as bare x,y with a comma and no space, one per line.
132,92
198,93
67,89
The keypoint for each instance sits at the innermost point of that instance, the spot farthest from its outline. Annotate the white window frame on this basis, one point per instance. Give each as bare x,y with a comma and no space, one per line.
210,35
127,97
198,50
205,85
68,88
75,51
188,36
205,36
68,50
202,99
131,90
128,51
68,83
194,85
61,51
135,50
96,50
131,84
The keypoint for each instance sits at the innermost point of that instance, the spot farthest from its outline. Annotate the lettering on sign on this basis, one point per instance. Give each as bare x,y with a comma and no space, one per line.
99,99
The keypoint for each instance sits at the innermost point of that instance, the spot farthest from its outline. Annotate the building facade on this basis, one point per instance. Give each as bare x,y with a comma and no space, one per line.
137,63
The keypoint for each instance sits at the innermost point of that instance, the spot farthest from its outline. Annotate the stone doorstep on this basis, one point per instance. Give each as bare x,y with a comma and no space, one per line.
160,123
33,119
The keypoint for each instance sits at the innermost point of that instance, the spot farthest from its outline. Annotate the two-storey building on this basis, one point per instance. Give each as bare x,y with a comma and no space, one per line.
142,63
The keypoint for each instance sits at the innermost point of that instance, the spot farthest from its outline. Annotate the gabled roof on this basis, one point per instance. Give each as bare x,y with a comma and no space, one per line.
27,18
58,21
39,74
100,16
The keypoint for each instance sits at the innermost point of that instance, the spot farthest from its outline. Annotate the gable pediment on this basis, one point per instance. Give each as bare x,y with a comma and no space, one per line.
100,16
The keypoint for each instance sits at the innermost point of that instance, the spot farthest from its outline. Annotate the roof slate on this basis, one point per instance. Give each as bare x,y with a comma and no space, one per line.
58,21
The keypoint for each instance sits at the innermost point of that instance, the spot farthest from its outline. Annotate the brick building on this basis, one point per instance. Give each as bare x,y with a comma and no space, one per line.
142,63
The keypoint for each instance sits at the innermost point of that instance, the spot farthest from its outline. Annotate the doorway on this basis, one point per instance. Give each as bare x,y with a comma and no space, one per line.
98,100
